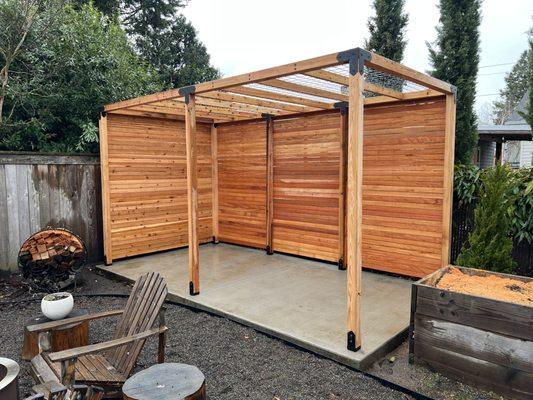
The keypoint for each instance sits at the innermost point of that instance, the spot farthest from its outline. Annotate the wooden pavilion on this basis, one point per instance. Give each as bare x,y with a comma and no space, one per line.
346,157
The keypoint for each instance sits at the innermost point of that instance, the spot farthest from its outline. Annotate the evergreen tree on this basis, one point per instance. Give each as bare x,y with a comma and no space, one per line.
490,243
175,52
387,29
528,115
164,38
516,84
455,59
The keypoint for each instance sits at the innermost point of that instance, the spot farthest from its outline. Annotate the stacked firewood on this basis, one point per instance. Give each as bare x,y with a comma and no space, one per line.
50,259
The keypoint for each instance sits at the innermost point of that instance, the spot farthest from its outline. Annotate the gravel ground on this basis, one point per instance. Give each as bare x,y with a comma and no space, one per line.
238,362
395,368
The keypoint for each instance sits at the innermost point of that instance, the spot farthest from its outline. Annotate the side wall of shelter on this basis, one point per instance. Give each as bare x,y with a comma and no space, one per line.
403,187
148,184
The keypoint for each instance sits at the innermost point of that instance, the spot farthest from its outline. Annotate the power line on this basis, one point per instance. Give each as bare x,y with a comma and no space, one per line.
496,65
488,94
493,73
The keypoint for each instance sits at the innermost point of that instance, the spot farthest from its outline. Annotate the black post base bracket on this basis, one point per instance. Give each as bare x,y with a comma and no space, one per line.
191,290
351,342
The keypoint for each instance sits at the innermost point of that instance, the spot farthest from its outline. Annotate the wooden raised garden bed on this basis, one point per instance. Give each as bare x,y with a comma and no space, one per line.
481,331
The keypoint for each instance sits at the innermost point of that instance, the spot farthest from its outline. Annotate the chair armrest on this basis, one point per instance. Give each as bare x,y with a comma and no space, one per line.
46,326
95,348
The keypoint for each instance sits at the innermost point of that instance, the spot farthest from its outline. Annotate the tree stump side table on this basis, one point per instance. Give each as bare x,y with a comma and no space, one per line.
64,338
167,381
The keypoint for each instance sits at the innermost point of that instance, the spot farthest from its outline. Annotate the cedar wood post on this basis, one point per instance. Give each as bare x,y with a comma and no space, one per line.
354,197
192,193
342,186
104,161
270,181
449,148
214,180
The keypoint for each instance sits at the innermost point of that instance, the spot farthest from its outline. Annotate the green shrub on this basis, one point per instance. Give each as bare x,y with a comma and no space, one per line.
490,244
523,215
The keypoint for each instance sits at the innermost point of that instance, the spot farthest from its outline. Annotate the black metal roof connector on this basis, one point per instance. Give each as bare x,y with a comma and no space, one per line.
351,342
343,106
103,114
453,88
191,290
342,266
186,92
356,57
267,116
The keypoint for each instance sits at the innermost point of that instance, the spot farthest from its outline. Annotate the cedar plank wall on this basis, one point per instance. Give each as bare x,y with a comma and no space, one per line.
306,186
403,176
148,184
242,183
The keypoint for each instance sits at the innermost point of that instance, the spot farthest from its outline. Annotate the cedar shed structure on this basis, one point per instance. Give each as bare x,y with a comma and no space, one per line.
346,158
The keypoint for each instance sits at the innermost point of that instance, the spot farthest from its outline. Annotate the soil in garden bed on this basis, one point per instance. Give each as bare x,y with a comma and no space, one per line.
490,286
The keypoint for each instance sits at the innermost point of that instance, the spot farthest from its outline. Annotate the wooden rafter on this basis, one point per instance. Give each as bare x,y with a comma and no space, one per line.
255,101
328,76
296,87
265,94
343,80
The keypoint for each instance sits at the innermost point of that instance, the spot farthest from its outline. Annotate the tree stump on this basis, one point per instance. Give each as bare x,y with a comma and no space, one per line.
64,338
168,381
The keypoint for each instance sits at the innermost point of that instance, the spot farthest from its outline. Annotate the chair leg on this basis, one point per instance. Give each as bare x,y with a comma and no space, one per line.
162,338
68,372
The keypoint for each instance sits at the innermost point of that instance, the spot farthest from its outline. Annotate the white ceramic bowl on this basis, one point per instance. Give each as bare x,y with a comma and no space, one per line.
57,305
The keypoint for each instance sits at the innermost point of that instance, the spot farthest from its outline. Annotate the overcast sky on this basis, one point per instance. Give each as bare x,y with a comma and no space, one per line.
246,35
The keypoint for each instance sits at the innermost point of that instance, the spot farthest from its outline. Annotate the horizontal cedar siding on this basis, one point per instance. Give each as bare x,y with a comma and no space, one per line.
403,176
242,184
148,184
306,186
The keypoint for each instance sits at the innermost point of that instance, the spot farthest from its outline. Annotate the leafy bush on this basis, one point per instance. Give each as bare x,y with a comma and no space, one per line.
61,82
490,244
467,184
523,216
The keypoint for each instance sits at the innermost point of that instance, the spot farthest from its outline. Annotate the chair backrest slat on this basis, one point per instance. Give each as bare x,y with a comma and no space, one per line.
142,308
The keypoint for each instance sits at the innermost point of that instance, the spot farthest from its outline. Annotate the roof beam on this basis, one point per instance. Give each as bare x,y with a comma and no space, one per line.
270,73
265,94
202,110
159,114
383,64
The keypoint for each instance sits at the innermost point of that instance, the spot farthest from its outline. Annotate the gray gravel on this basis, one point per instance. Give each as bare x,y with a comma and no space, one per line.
238,362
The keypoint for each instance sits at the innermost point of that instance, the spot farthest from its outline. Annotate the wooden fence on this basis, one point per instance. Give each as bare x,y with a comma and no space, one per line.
37,191
463,224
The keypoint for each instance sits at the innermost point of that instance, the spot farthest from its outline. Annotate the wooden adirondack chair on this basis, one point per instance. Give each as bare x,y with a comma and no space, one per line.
107,364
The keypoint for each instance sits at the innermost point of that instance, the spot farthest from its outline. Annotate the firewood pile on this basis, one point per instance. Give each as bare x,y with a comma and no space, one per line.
50,259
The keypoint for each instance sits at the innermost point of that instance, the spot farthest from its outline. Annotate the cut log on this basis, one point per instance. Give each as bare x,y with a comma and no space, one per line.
169,381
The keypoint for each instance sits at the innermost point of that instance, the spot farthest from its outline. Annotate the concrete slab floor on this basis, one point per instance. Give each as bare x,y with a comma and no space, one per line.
299,300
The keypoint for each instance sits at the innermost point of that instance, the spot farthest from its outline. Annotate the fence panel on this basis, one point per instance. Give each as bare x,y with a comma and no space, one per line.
39,191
